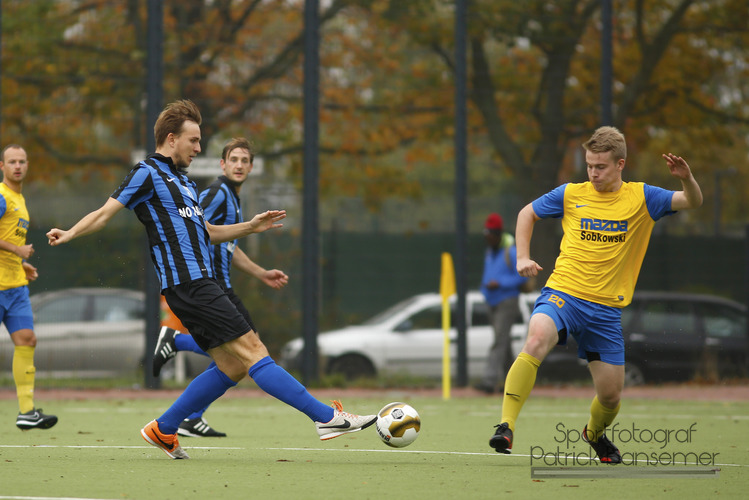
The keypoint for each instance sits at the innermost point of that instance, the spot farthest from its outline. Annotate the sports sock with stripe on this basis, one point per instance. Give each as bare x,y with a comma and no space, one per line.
520,381
281,385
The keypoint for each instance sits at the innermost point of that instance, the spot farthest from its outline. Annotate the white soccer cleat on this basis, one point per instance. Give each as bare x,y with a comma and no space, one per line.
343,423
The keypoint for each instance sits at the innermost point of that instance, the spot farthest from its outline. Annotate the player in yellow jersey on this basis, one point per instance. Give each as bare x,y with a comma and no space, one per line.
15,274
607,225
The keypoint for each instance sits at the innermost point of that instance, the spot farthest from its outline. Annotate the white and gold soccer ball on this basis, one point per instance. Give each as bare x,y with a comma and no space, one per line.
398,424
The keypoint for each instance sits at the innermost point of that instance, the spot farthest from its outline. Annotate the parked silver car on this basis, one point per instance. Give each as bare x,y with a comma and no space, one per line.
85,332
91,332
406,338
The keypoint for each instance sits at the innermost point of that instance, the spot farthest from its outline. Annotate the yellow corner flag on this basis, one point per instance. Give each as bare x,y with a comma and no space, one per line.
447,289
447,278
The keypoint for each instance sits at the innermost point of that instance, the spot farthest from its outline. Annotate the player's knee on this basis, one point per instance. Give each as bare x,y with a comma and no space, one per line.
610,402
233,368
256,346
609,396
236,375
24,338
539,343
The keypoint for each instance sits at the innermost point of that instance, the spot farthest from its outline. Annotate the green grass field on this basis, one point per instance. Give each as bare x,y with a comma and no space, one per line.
272,451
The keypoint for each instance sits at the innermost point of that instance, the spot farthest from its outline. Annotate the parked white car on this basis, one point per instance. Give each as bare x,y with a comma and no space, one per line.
407,338
668,337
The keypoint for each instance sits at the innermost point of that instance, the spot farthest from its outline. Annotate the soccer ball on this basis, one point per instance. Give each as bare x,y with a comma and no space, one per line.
398,425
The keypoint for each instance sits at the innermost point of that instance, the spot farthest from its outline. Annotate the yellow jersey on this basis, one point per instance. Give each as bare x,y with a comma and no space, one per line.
14,223
606,235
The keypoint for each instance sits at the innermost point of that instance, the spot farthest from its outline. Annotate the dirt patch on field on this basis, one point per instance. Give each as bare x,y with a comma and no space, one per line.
696,392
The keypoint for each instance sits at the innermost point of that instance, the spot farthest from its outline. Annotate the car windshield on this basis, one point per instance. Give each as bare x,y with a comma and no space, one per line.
69,309
390,312
113,308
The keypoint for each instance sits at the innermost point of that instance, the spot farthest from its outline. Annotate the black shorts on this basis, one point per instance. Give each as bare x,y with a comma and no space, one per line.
240,307
212,316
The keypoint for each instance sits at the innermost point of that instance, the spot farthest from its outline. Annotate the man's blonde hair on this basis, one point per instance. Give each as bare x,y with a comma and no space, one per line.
606,139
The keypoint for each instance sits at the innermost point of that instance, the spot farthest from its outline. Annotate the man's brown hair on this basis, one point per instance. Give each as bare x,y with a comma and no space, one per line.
173,117
238,142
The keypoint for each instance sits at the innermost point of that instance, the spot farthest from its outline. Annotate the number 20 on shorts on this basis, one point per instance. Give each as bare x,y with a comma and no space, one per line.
556,299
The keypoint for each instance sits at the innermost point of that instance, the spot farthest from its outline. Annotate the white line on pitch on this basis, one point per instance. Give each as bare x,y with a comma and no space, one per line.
115,447
48,498
474,413
509,456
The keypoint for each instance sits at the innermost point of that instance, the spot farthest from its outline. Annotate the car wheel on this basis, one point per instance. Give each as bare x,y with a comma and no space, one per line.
633,375
352,366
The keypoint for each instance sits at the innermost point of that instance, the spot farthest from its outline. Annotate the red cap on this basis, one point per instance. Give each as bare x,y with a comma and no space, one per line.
493,222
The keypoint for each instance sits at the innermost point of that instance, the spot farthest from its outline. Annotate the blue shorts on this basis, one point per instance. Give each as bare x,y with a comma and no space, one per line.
15,309
596,328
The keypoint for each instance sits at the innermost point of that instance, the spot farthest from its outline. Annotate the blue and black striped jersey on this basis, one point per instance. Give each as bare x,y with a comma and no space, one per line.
220,204
166,203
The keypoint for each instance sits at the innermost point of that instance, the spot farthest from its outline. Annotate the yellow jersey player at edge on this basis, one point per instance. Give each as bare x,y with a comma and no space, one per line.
15,274
607,225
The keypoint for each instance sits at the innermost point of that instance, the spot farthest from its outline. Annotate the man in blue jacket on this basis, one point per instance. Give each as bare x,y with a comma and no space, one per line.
500,285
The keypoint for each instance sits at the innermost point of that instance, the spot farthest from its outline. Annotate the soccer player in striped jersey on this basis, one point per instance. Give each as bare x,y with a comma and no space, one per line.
181,241
15,274
607,225
221,205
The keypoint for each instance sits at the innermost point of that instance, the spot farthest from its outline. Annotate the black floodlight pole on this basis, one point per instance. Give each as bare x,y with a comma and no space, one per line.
154,76
461,217
607,63
310,221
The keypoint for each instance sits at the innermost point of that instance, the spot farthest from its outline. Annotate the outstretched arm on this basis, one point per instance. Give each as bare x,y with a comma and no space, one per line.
258,224
91,223
523,232
273,277
691,194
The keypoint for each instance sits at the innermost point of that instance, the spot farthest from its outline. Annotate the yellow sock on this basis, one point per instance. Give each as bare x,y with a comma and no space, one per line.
23,374
600,418
518,386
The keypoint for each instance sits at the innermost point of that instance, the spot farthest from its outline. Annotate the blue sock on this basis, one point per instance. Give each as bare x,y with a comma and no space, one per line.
199,413
185,342
202,391
278,383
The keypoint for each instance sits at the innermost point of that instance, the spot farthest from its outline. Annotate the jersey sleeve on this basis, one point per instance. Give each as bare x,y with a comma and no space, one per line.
213,203
658,201
551,204
136,188
3,205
